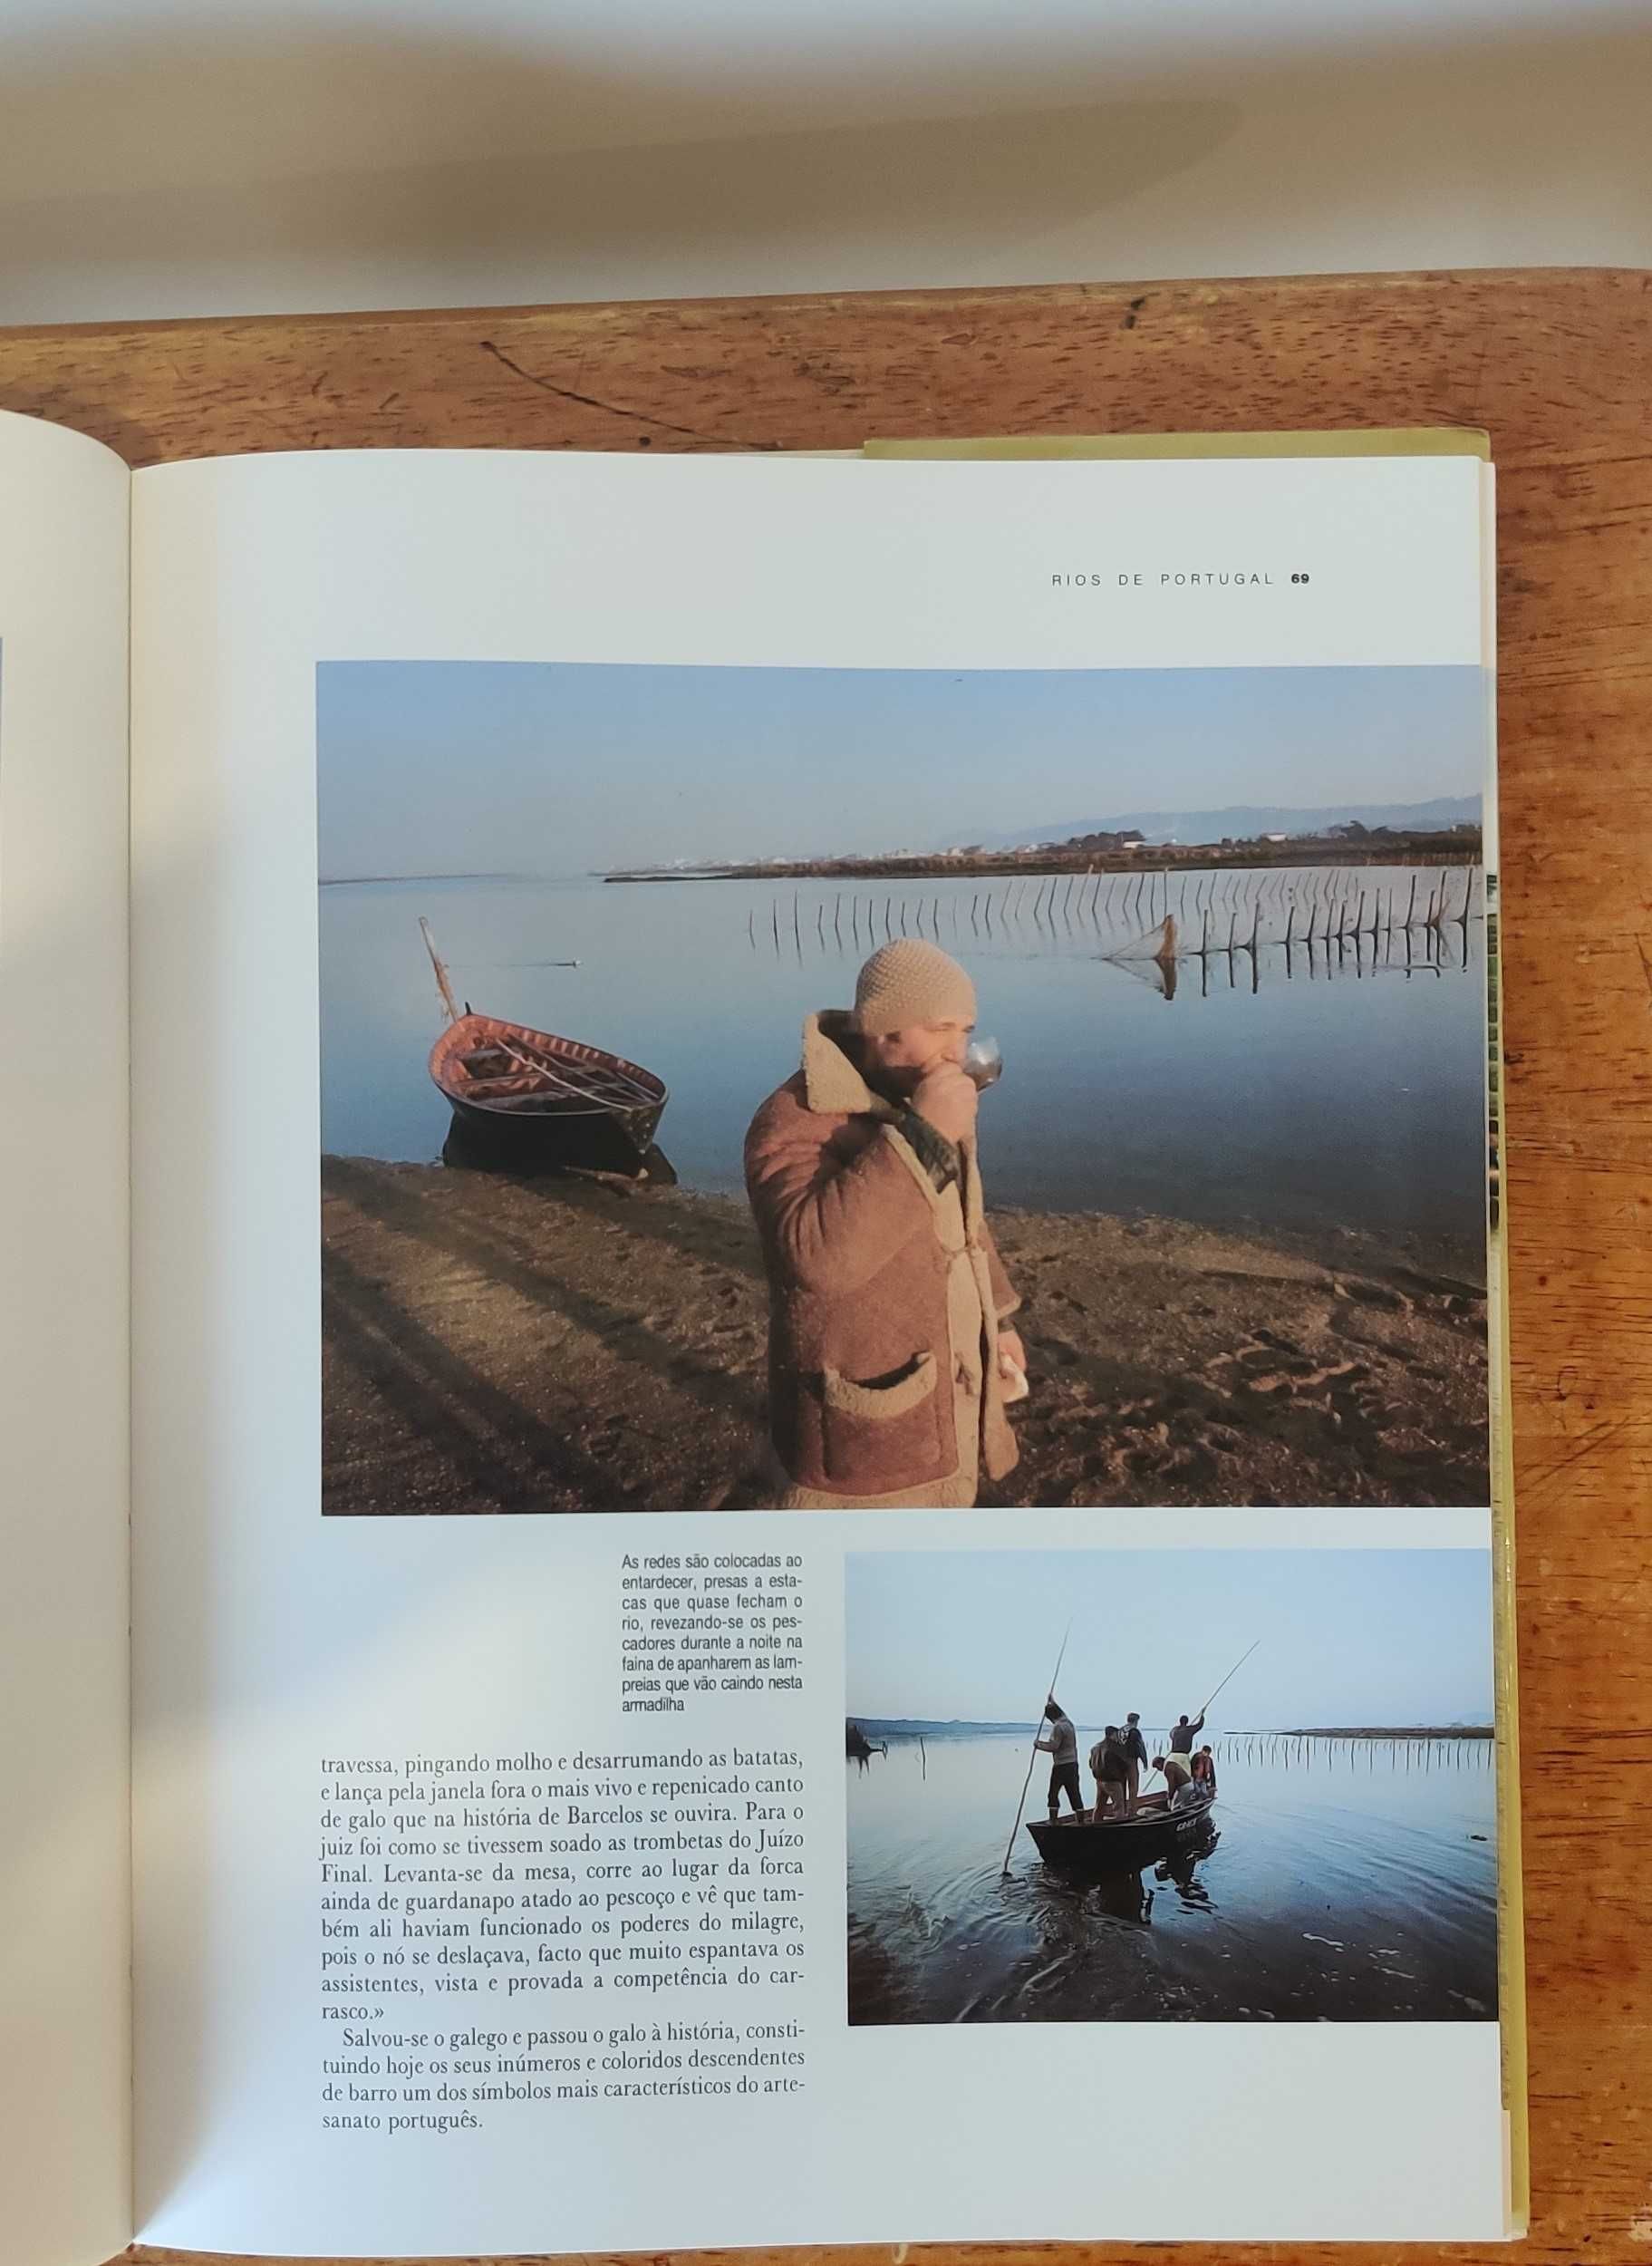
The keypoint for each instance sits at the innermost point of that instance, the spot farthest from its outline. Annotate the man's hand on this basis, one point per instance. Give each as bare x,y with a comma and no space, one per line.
1010,1349
948,1101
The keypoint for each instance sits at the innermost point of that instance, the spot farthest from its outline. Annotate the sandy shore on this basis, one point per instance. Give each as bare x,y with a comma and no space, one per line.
501,1345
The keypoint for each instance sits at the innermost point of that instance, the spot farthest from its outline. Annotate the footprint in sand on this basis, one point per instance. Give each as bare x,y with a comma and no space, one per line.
1367,1294
1268,1364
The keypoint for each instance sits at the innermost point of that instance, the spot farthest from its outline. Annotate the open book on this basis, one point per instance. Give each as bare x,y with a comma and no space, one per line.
754,1228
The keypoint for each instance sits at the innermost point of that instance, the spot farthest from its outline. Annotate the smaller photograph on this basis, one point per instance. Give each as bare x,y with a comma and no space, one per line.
1181,1785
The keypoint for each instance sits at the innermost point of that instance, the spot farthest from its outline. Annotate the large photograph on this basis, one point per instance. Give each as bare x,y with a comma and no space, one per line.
1171,1786
861,1088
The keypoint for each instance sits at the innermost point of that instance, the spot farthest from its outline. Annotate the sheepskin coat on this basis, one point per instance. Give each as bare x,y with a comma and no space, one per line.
885,1295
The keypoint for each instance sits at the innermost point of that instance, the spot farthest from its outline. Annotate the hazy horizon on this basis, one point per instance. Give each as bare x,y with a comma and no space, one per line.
1010,1725
454,768
1344,1636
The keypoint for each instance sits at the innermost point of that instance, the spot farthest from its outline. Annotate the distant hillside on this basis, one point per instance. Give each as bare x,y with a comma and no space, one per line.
914,1727
1242,821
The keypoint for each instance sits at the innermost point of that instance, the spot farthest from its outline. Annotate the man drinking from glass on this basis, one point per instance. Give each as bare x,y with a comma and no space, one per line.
888,1361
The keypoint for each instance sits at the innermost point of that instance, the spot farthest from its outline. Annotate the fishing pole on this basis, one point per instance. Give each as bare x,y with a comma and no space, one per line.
1033,1757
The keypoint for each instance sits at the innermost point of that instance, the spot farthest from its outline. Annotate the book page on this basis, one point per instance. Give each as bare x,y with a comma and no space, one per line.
65,1907
814,1452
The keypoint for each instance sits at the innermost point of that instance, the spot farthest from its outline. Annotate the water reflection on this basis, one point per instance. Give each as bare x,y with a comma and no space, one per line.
1181,1871
1328,1120
1127,1894
1124,1896
1314,922
1342,1878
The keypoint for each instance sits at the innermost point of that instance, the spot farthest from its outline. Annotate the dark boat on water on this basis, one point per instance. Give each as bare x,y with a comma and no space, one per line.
529,1101
1081,1845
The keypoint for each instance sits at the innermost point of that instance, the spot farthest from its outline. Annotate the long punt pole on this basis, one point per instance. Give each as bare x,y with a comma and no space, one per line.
1228,1678
1033,1757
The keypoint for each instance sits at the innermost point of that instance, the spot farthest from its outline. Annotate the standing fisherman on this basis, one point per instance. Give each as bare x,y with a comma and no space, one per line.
1135,1749
1182,1737
1110,1768
1062,1748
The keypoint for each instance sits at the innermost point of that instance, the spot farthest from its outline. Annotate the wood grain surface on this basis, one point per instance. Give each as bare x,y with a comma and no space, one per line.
1557,365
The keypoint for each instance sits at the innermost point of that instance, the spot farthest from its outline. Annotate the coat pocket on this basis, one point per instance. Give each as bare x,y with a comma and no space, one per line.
882,1434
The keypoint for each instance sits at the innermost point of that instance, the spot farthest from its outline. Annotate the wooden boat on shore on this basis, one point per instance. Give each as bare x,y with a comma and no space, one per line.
1115,1844
528,1099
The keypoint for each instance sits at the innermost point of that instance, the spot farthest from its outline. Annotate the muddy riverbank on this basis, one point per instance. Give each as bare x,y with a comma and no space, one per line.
499,1345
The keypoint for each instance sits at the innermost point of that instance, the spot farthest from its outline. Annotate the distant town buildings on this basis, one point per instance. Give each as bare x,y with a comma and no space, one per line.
1349,841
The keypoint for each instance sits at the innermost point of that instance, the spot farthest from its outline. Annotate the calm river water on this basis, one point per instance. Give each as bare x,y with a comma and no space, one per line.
1317,1087
1349,1881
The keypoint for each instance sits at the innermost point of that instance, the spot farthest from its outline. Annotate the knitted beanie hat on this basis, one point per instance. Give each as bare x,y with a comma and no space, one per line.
911,981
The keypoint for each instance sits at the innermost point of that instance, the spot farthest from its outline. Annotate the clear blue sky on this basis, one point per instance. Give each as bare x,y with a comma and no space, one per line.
482,767
1351,1637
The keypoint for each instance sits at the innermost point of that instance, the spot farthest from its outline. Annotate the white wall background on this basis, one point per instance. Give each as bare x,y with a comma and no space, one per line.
175,157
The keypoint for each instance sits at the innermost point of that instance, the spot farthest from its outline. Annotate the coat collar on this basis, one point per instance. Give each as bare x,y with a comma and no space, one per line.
831,1083
834,1088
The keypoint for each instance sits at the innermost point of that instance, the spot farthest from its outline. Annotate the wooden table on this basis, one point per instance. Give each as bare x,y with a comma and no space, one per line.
1558,364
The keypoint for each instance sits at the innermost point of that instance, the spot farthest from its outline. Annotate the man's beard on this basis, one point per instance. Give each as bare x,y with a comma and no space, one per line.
893,1082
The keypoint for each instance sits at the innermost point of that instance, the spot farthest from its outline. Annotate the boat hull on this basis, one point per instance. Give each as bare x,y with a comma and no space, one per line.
1081,1845
593,1142
546,1104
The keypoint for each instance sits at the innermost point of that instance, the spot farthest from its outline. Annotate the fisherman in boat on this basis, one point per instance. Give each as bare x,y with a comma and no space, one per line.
1061,1745
1180,1791
888,1353
1110,1768
1203,1766
1136,1747
1182,1737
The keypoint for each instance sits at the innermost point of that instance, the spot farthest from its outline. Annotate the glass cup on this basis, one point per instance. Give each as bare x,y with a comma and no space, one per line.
983,1063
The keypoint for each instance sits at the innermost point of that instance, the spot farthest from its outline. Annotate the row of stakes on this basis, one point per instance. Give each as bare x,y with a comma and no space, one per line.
1309,1750
1332,908
1336,926
1289,1750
